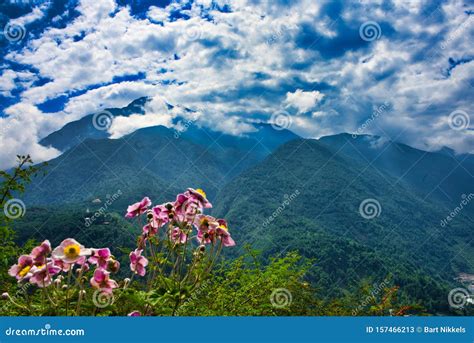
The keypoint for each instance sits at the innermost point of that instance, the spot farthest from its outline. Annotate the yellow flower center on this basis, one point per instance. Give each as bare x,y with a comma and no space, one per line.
200,191
72,251
223,227
24,271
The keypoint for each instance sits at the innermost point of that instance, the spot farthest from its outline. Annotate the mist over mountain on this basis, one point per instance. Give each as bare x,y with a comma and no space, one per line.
163,157
440,176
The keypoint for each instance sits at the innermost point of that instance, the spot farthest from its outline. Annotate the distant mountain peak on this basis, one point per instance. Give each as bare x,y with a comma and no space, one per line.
447,151
77,131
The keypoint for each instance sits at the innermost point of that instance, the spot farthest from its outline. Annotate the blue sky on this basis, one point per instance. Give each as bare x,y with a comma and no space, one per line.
403,70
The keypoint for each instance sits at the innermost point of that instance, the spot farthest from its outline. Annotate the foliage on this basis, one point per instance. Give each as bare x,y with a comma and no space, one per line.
175,266
244,287
12,183
323,221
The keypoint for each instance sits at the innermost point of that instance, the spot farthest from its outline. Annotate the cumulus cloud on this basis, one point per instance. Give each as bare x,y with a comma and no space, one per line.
18,135
303,101
234,62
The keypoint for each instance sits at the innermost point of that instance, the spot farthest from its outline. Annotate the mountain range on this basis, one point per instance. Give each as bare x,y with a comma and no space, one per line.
279,192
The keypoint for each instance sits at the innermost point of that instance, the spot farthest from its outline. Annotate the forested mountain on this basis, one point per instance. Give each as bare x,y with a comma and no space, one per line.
441,176
303,193
154,161
360,207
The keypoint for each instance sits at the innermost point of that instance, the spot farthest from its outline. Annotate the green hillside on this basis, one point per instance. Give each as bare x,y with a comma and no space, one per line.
323,193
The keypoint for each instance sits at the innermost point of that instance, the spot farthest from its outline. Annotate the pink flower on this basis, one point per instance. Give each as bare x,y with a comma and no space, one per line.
40,252
134,314
100,257
42,274
22,270
138,208
206,237
199,196
62,265
150,230
210,228
161,213
178,236
205,222
70,251
138,262
82,261
185,208
223,233
206,226
101,281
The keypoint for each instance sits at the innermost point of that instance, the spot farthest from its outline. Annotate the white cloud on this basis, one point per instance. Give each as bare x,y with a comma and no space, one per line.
7,81
122,126
246,63
36,13
18,136
303,101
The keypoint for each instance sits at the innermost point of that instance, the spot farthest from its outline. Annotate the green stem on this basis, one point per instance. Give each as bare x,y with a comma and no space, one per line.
67,289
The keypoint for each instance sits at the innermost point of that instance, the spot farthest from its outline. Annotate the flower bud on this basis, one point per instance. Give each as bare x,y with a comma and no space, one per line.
202,248
64,287
5,296
126,282
113,265
169,207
